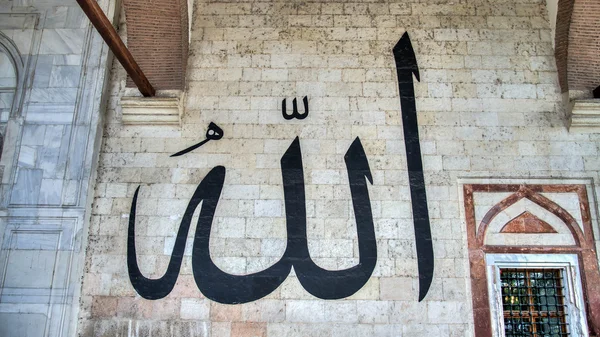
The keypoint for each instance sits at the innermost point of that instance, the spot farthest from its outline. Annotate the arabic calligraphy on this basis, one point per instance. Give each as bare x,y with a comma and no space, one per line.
406,66
213,132
295,113
222,287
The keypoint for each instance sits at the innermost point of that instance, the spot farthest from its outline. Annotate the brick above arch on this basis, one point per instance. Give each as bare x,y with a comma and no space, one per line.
578,44
157,36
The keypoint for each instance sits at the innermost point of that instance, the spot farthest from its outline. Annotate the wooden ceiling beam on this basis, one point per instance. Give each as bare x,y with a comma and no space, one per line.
116,45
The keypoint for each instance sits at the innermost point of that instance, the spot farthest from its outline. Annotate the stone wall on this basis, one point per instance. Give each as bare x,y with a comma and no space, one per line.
488,105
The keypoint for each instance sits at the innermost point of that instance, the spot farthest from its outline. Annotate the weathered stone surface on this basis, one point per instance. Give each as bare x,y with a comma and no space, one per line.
488,105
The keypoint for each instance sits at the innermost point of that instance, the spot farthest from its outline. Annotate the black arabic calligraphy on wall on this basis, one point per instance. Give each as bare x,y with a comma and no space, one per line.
222,287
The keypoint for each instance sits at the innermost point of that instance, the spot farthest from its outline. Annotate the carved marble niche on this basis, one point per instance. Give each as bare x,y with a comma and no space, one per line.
532,226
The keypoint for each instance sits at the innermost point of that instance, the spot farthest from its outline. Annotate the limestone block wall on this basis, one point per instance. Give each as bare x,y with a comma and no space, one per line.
488,105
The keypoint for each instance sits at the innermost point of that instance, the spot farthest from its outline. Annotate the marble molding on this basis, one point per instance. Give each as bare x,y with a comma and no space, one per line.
585,116
151,110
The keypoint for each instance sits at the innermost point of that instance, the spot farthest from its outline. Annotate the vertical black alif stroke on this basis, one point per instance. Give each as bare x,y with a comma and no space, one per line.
406,67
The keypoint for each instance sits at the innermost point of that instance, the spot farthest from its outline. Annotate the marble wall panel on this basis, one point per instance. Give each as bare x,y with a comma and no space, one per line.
52,136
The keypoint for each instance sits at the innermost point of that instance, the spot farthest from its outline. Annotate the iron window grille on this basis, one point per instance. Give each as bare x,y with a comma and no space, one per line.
512,274
533,302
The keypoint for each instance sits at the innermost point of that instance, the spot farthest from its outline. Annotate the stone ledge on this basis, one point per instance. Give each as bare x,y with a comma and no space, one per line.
151,110
585,116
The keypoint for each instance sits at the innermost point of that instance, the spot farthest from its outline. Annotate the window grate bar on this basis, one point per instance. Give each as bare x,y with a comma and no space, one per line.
533,302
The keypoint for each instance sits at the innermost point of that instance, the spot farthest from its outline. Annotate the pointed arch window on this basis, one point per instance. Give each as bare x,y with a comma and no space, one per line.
521,237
